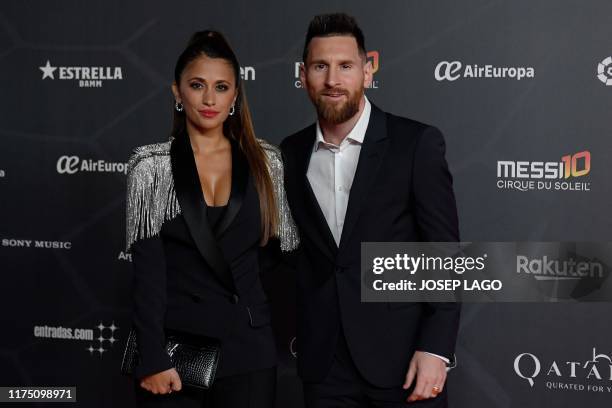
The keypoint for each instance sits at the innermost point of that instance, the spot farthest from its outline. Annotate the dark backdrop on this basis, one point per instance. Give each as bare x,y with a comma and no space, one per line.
62,224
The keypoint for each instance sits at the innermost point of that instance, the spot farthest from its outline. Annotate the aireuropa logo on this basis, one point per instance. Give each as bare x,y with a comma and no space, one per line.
87,76
454,70
604,71
592,375
247,73
540,175
372,56
73,164
100,339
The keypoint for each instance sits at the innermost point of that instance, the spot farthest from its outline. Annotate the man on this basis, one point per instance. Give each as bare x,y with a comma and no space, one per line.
359,174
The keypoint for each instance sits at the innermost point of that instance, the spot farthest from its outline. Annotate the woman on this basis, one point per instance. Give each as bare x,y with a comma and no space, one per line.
211,196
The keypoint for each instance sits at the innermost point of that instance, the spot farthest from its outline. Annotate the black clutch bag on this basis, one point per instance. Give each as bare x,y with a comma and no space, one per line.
194,357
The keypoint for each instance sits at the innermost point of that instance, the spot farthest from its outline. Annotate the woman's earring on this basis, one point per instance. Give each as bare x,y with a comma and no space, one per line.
232,110
178,106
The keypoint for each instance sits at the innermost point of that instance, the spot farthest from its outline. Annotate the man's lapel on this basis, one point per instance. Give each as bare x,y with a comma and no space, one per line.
370,157
318,229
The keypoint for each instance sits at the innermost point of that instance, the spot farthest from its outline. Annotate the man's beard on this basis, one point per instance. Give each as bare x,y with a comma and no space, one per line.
340,112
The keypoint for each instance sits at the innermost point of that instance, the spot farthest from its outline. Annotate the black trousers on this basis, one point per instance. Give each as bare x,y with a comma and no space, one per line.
255,389
345,387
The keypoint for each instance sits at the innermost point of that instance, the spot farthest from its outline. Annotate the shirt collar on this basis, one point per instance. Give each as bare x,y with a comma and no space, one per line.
356,135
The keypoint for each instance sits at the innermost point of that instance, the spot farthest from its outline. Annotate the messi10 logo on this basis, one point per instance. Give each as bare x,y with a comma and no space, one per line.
573,165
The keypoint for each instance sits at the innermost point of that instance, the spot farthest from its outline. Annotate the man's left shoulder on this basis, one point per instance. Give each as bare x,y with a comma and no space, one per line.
400,126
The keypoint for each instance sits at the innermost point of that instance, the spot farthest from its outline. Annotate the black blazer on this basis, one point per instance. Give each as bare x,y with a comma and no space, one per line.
190,277
402,191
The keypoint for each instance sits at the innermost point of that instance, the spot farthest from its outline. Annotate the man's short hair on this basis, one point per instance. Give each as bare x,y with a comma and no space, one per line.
328,25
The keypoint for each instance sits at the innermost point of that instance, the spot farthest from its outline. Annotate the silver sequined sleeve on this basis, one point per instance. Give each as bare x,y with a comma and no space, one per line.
287,231
150,192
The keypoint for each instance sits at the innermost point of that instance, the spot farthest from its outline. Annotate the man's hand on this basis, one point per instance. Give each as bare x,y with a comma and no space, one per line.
163,382
430,372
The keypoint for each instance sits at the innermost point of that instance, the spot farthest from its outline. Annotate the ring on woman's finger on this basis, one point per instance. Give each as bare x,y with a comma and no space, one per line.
436,390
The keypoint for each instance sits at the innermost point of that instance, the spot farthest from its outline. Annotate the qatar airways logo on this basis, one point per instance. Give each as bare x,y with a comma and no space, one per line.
86,77
74,164
454,70
540,175
592,375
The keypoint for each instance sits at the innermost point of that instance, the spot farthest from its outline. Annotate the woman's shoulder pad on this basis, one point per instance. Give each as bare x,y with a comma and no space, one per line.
142,153
271,150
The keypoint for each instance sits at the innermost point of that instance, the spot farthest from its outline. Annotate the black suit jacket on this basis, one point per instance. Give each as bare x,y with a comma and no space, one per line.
402,191
192,278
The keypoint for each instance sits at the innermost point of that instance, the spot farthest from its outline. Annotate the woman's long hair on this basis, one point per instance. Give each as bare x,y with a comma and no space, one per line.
238,127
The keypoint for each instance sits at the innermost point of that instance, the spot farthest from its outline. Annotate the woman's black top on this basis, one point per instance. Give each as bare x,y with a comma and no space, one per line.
214,214
201,273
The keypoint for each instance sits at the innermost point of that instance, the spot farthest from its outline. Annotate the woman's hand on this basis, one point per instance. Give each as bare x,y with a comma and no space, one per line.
163,382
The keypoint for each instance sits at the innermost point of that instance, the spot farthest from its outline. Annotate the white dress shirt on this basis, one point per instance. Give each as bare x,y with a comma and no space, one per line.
332,169
331,172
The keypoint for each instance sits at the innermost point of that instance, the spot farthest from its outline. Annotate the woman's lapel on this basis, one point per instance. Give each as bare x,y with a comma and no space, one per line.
191,200
240,176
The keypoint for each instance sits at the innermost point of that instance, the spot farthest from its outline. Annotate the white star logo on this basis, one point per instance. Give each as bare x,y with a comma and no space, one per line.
47,70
